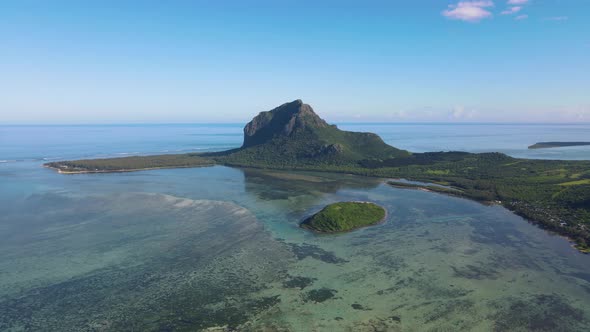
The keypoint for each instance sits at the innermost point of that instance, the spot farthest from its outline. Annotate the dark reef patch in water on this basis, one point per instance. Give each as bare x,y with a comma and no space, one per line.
402,283
475,272
389,324
319,295
229,315
432,290
543,312
103,300
444,248
453,311
501,234
357,306
513,262
305,250
298,282
391,263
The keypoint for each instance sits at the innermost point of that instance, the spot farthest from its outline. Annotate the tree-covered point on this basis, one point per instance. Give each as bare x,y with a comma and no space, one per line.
133,163
345,217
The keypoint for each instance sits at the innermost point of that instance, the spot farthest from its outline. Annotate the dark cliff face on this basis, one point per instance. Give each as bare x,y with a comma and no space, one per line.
281,121
293,134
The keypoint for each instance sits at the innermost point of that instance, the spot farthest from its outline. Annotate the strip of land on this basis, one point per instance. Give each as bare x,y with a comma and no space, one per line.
130,164
547,145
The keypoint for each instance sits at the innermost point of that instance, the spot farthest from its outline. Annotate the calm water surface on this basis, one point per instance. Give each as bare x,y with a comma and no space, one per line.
214,248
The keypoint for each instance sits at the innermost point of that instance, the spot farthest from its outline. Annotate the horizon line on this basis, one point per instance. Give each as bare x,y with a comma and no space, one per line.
336,122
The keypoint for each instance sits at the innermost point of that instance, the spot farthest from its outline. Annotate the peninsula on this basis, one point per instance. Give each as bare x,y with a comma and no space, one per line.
554,194
547,145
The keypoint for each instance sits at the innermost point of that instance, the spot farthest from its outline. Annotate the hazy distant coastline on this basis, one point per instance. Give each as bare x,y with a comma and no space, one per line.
547,145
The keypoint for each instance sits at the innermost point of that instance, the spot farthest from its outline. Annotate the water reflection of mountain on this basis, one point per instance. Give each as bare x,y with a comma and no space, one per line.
277,185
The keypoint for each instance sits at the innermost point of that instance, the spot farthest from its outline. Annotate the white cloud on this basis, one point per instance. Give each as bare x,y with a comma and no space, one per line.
575,113
557,18
511,10
461,113
521,17
474,113
517,2
469,11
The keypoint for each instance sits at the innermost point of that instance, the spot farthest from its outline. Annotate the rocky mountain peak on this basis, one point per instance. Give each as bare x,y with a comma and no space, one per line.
281,121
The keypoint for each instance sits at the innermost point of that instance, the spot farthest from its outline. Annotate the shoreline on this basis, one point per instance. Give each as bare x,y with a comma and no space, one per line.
573,243
447,191
60,171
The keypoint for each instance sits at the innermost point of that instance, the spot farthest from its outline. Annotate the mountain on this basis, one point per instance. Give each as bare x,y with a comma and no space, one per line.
294,134
284,120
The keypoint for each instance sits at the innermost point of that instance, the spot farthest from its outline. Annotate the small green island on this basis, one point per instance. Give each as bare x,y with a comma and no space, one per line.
345,217
547,145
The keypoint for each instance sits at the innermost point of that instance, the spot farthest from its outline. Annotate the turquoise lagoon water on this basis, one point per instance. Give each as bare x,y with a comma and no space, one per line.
218,248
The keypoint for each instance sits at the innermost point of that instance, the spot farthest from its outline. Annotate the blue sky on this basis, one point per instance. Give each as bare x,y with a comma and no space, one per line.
225,61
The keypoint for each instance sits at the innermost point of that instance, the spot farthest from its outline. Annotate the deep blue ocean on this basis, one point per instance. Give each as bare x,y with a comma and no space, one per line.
42,143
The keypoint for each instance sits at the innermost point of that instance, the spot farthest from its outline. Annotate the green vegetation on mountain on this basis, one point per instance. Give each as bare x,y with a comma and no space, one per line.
292,134
546,145
552,193
345,217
